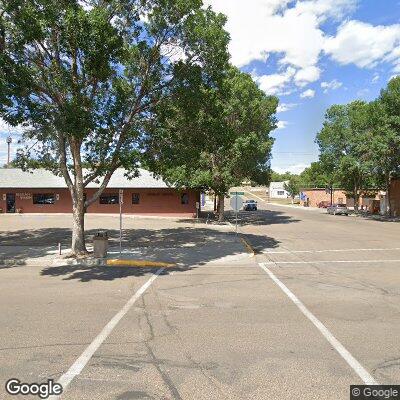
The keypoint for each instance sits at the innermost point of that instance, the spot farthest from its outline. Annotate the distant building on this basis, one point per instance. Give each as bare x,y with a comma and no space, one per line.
43,192
394,198
277,190
311,197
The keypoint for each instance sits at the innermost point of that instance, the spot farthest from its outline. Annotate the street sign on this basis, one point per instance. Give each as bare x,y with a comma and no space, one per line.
236,203
236,193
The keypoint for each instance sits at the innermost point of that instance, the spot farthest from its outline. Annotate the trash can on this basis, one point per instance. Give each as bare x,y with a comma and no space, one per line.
100,244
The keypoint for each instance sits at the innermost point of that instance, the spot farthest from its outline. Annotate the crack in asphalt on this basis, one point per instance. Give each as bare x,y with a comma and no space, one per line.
156,362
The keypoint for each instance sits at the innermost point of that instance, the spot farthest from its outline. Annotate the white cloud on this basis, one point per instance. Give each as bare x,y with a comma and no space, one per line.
294,169
292,31
275,83
173,52
334,9
375,78
279,26
282,107
362,92
332,85
282,124
363,44
308,94
307,75
8,129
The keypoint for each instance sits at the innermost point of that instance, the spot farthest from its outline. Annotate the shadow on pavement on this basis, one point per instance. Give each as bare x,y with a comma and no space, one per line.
261,217
187,247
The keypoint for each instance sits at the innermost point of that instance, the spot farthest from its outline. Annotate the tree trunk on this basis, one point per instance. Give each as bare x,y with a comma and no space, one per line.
221,207
356,199
389,203
78,227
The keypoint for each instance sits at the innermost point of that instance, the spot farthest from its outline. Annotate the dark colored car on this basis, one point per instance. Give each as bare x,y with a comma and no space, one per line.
324,204
250,205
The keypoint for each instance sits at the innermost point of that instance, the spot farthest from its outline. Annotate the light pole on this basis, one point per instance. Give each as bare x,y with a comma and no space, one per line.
9,140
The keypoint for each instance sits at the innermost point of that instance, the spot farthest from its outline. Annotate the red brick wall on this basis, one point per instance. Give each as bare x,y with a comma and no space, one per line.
152,202
317,195
395,196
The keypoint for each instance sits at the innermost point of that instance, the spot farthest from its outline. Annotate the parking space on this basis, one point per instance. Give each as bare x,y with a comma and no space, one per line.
218,325
346,272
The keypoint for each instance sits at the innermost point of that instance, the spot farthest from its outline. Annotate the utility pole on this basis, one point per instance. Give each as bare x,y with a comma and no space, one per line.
8,140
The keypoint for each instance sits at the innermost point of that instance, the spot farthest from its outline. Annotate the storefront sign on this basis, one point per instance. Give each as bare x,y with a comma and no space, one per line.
24,196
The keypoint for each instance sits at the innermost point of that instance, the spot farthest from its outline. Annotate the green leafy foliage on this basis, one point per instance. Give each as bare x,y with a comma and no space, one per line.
213,135
360,143
340,142
292,186
85,78
317,175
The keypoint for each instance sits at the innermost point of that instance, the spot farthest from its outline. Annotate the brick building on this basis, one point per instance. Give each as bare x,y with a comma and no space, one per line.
313,196
395,197
43,192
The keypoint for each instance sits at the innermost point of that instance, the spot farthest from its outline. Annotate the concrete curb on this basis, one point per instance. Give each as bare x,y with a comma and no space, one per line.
48,262
248,247
137,263
12,261
89,262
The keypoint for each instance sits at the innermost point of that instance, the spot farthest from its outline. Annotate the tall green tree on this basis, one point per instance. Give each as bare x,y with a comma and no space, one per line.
382,145
317,175
292,186
85,77
215,136
340,142
277,177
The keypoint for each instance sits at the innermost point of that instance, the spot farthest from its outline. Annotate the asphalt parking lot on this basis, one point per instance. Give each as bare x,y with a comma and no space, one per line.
224,325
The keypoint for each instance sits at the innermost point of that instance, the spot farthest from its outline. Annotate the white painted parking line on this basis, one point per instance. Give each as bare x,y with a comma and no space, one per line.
332,262
351,361
325,251
84,358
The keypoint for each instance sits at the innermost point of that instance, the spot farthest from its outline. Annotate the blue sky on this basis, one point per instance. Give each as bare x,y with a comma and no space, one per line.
311,54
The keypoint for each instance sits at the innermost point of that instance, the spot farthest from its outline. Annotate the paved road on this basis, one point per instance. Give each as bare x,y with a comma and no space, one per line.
219,328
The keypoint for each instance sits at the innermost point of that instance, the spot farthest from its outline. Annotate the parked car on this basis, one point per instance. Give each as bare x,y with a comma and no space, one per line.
338,209
324,204
250,205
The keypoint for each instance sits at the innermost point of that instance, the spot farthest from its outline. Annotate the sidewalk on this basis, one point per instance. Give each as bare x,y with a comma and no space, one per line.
182,242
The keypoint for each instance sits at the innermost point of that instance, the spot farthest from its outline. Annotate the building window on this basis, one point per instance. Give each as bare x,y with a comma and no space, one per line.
185,198
109,199
44,198
281,193
135,198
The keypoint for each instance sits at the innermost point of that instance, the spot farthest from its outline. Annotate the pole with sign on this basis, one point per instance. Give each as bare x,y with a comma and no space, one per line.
236,204
121,201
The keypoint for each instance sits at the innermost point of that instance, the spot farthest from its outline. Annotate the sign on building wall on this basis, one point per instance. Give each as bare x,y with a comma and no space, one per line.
24,196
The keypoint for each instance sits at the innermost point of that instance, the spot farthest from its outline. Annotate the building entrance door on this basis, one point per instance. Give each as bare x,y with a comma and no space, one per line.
10,200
